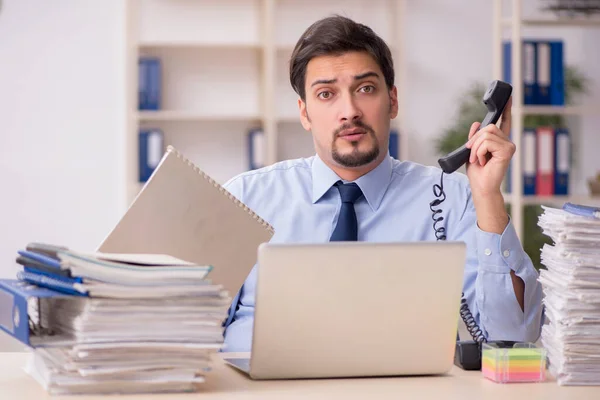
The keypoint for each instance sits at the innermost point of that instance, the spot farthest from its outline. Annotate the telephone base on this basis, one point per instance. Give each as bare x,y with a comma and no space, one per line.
468,353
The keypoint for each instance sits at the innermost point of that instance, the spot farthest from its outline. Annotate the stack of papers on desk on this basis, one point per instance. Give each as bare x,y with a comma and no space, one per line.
571,286
132,323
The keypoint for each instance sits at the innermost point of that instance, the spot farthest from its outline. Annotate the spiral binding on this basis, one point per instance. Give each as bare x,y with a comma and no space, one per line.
440,233
171,149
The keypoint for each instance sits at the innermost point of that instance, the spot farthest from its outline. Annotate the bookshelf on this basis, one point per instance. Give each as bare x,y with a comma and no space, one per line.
515,25
220,83
558,22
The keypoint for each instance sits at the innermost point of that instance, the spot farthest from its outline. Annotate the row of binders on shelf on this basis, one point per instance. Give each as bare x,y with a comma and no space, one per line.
151,147
546,161
99,323
543,71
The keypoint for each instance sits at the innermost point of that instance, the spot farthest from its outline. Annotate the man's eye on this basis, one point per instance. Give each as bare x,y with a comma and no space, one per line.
367,89
324,95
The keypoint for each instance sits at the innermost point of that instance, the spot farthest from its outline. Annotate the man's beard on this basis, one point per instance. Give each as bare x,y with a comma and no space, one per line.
356,158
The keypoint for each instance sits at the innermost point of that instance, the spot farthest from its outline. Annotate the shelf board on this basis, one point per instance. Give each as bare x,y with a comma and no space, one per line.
560,110
180,44
557,22
167,115
555,200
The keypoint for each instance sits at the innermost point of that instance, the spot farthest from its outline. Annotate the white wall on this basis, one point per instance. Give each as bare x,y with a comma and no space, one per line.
61,108
61,123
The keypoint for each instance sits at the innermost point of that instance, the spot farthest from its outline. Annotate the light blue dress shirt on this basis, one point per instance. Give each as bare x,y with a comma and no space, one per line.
298,199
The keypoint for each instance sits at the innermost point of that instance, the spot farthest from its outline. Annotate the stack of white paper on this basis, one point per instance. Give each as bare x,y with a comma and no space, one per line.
152,327
571,286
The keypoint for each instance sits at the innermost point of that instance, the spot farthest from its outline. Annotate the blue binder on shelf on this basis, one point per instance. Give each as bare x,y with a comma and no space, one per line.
529,161
528,156
394,144
256,149
529,63
149,83
543,72
508,177
151,149
17,300
562,161
557,73
551,75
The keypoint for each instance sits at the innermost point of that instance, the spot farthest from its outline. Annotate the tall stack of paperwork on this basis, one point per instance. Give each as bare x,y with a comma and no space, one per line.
571,285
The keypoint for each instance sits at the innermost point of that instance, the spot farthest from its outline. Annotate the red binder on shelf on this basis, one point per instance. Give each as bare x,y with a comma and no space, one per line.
545,161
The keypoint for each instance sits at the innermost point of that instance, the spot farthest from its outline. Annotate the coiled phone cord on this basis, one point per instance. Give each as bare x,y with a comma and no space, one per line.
440,234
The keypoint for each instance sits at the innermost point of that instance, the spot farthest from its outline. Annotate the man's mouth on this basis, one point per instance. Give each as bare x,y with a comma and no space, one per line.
352,135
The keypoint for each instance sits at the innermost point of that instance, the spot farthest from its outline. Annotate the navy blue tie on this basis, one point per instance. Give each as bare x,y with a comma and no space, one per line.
347,226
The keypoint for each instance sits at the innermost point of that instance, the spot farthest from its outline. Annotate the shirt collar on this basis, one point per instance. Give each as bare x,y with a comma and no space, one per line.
373,184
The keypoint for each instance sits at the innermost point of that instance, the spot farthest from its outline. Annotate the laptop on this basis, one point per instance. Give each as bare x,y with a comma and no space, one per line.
355,309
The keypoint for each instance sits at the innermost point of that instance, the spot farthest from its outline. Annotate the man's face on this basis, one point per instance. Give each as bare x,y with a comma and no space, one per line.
348,108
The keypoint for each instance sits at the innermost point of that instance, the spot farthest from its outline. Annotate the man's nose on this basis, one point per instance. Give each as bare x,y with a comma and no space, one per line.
350,111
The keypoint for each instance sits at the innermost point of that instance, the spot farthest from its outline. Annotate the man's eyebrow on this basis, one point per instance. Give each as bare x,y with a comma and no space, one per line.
325,81
366,75
356,78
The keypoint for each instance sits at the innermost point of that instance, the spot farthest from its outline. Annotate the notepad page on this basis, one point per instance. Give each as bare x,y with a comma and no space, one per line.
182,212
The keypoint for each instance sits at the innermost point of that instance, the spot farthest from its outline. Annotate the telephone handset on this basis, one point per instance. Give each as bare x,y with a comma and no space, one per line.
495,99
468,353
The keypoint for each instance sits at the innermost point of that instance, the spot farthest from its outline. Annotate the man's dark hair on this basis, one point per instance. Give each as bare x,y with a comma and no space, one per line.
337,35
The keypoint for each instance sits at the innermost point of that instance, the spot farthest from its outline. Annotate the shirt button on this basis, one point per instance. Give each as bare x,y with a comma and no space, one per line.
487,252
506,253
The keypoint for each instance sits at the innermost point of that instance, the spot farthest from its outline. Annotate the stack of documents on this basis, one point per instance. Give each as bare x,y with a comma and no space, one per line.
571,286
122,323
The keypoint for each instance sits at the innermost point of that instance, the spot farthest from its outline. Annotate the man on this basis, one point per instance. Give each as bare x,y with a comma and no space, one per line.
353,190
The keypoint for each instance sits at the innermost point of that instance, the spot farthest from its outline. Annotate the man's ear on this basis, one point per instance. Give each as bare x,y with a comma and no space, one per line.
393,102
304,118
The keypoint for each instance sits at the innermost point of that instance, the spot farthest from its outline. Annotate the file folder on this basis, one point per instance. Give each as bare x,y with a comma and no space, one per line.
529,160
151,149
393,144
256,149
557,74
19,302
54,282
150,82
543,72
562,161
529,72
545,161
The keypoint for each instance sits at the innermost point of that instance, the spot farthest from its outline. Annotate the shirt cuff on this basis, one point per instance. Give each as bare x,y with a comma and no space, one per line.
499,253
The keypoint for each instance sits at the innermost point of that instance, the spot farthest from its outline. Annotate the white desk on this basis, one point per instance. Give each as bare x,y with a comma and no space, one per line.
226,383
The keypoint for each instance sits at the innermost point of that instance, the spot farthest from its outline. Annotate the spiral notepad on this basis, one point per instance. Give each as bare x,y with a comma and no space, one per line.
183,212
